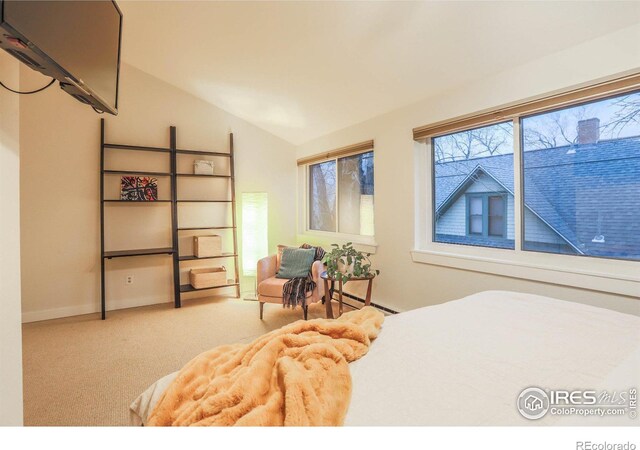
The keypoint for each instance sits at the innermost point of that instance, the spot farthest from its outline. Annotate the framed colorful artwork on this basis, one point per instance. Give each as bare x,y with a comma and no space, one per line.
139,189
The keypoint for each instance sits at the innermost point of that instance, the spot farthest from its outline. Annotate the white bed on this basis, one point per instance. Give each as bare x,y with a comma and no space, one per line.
466,361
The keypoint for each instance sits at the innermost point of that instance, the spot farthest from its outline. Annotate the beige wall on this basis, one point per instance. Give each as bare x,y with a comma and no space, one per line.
60,162
10,330
60,191
405,284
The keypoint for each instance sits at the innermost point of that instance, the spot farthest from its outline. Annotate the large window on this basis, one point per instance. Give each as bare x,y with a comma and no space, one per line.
582,179
341,195
579,173
473,189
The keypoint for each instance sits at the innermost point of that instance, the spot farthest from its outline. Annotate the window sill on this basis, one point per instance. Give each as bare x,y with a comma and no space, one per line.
363,243
619,277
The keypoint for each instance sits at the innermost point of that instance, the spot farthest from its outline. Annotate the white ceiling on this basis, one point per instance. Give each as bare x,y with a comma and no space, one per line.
304,69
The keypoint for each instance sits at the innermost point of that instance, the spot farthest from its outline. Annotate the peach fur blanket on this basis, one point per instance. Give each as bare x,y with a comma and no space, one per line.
297,375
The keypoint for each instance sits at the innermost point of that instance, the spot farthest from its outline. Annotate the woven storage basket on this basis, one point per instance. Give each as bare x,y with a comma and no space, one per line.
208,277
206,246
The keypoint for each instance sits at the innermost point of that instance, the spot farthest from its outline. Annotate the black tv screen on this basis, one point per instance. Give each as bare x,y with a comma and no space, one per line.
81,38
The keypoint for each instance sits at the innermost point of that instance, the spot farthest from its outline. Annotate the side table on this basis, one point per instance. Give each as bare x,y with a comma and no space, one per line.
328,291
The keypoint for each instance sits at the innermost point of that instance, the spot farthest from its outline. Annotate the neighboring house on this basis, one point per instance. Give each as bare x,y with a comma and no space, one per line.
579,199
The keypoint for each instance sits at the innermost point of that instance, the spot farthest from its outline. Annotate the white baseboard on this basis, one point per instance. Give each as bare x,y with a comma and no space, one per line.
56,313
79,310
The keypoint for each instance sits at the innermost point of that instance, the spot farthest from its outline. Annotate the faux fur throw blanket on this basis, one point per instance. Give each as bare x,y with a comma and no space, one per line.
294,291
297,375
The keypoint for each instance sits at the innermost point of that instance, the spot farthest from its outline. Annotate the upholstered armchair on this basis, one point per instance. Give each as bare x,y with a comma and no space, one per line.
270,287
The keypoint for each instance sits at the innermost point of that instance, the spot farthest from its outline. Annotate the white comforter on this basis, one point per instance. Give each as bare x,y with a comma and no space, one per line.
466,361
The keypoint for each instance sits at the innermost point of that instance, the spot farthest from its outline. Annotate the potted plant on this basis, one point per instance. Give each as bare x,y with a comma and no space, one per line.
344,263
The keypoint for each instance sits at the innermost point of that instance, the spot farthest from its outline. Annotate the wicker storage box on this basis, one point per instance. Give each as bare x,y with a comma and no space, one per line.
203,167
208,277
206,246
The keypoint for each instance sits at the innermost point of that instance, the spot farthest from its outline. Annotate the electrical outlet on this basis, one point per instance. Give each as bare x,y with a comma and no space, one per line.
129,279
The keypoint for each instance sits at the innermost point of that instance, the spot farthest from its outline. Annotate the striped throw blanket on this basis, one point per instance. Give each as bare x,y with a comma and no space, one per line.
294,291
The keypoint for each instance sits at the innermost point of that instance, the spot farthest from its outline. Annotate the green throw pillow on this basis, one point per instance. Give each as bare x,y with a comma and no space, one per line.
296,262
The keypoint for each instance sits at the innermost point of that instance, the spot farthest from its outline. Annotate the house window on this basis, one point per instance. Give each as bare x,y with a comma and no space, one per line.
496,217
476,215
473,187
574,199
579,172
341,195
486,215
581,179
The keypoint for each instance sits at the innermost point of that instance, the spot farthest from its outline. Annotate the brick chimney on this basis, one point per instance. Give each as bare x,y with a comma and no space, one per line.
589,131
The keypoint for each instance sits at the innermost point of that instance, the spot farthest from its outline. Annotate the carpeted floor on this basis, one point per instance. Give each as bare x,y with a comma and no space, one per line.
84,371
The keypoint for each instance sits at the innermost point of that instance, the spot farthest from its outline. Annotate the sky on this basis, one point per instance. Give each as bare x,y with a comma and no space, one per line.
557,128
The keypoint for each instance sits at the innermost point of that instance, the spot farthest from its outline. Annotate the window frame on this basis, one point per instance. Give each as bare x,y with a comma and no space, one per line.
519,179
595,273
521,170
432,190
322,234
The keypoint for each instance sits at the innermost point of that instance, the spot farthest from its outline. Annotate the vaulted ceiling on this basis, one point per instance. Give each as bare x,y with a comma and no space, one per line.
304,69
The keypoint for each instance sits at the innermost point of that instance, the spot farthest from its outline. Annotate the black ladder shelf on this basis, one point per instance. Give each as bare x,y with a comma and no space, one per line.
173,153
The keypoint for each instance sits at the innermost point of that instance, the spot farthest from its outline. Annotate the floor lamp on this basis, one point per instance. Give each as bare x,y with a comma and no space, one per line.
255,235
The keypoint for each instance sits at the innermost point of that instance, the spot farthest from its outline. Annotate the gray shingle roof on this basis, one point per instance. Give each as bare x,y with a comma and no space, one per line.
581,191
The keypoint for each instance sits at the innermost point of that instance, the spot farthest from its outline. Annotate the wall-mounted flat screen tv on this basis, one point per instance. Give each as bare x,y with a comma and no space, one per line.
76,42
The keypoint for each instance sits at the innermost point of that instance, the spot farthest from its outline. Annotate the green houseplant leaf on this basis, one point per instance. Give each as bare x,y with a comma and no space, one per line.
345,262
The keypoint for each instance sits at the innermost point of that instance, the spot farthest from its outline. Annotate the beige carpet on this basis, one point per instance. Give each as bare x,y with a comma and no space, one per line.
84,371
